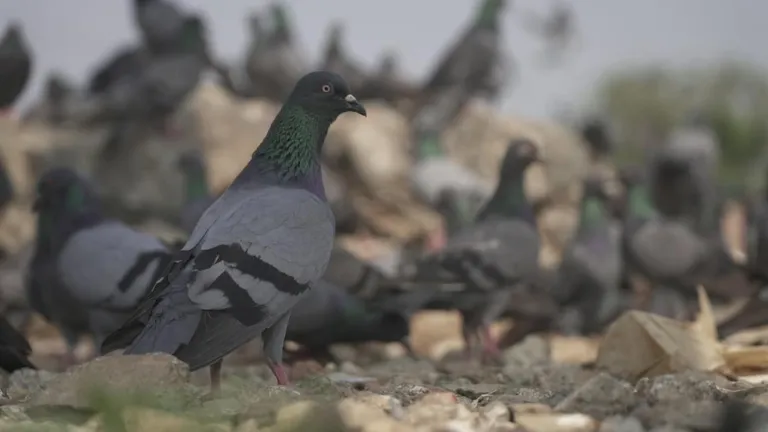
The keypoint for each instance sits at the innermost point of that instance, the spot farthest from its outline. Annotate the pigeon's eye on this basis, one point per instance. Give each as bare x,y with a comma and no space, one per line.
326,88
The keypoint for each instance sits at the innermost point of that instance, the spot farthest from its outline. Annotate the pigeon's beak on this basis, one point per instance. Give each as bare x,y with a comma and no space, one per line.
355,106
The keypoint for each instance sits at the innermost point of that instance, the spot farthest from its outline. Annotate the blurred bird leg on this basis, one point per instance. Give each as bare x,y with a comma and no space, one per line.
171,129
436,239
278,370
490,348
215,373
406,342
641,288
273,341
6,112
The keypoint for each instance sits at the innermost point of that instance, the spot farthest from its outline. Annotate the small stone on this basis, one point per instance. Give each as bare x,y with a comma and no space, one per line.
621,424
696,415
690,385
531,351
152,372
600,397
26,381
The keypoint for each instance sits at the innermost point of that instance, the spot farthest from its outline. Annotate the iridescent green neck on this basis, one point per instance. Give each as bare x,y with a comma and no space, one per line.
489,13
592,212
294,140
429,147
639,202
196,184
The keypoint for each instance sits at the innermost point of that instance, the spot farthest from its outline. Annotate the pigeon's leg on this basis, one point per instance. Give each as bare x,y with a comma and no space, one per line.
490,348
437,239
215,373
70,339
498,302
273,339
6,112
406,341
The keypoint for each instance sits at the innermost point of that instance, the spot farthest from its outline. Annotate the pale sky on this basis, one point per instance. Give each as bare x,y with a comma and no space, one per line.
73,35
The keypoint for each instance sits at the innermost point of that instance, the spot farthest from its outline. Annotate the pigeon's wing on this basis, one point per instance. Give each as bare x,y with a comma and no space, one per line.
125,62
666,249
256,252
315,309
14,348
110,265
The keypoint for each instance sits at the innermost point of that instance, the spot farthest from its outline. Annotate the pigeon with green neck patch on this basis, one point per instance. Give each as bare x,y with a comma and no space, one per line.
87,268
15,66
256,250
483,265
198,197
590,271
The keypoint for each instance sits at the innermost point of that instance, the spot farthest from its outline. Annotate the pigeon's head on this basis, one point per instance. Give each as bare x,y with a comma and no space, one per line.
520,153
194,35
255,25
325,94
336,31
595,133
279,15
62,189
489,11
13,34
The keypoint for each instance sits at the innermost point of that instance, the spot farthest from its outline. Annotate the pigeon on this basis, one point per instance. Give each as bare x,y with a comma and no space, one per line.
15,66
337,60
352,274
329,315
590,271
276,64
14,348
472,67
198,197
99,266
160,23
158,88
125,63
595,133
488,260
386,84
255,251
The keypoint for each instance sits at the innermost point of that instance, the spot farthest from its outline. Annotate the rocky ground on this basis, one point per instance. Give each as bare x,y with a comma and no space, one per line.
544,384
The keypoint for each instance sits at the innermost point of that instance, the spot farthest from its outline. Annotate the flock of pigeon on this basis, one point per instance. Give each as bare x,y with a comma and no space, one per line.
260,259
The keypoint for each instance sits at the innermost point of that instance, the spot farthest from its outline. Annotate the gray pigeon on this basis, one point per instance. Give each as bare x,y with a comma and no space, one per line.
126,62
336,59
14,348
481,267
590,271
15,65
153,93
329,315
472,67
274,65
87,268
255,251
160,23
198,197
352,274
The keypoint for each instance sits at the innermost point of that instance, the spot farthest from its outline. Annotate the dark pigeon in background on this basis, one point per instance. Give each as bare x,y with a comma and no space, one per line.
274,65
15,66
153,93
14,348
590,271
336,58
6,186
102,265
160,24
352,274
126,62
329,315
198,197
255,251
482,267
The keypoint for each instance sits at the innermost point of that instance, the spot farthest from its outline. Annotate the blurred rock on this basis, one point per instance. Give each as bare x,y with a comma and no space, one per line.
621,424
686,415
689,386
600,397
24,382
145,419
533,350
153,372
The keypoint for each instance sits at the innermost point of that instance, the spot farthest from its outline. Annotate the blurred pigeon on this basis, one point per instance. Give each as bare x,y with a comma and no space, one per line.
490,259
595,134
386,84
255,251
336,59
160,23
692,148
472,67
198,197
328,315
352,274
6,186
154,93
125,63
15,66
274,65
102,264
14,348
590,271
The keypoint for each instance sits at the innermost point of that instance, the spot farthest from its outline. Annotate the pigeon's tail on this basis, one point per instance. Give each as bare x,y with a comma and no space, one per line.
172,324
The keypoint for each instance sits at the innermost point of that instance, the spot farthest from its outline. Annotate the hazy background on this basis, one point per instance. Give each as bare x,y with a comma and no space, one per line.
73,35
